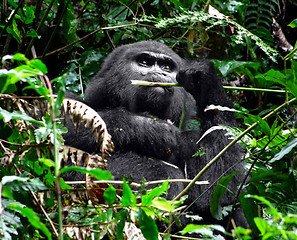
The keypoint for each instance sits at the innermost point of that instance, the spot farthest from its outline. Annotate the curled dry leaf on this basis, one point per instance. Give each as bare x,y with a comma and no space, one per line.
36,107
81,113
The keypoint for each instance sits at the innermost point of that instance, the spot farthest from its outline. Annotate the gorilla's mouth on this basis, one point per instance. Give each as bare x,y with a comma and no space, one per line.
162,90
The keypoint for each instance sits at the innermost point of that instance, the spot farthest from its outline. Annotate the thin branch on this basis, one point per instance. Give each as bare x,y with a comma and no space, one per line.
139,185
92,33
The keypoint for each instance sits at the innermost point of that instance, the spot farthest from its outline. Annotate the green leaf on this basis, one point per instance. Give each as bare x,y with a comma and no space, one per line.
110,195
16,115
47,162
272,210
32,33
29,14
128,198
227,67
16,57
278,77
165,205
14,31
147,225
41,134
261,224
64,185
32,217
121,224
293,24
250,208
217,195
9,224
157,191
23,183
285,150
97,173
37,64
204,230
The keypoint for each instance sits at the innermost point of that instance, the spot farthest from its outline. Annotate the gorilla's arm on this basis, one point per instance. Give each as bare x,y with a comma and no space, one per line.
130,132
201,80
141,134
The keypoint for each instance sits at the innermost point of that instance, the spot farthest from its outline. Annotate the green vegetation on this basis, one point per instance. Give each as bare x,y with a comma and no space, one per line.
53,46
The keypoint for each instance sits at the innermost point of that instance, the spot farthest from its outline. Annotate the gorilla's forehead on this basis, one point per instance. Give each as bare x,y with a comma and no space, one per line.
158,49
157,55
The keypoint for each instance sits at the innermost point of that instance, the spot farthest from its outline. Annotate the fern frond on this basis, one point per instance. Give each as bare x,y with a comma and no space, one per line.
198,17
259,18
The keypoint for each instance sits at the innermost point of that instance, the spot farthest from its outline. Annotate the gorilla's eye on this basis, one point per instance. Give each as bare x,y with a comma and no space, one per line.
143,63
166,68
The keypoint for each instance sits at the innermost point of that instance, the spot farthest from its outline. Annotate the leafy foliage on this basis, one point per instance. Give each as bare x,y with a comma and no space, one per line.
68,40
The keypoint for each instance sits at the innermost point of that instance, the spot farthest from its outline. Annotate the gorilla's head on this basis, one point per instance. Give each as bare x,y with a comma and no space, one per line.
148,61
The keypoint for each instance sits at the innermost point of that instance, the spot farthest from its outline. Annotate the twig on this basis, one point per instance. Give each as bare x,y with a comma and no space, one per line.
92,33
139,185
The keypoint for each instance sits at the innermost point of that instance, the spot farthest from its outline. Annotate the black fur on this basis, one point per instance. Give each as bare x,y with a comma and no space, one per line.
138,117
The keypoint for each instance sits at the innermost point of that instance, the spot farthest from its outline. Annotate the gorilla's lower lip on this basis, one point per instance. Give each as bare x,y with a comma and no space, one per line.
159,89
162,89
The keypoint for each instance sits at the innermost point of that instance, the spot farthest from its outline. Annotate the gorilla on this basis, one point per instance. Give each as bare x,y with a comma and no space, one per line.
150,125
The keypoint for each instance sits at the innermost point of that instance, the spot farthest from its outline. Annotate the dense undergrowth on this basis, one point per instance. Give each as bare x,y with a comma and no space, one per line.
53,46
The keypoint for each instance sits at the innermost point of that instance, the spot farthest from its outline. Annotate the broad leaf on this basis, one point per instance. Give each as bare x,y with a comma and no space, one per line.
110,195
128,198
147,225
97,173
32,218
156,192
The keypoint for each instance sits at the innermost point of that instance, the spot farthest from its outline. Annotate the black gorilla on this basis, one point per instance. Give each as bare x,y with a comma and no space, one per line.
144,120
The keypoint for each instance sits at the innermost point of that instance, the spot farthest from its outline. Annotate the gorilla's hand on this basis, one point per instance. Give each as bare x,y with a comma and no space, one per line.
197,77
190,79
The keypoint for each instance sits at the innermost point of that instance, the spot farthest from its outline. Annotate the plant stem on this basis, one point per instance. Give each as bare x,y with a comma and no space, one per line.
57,159
162,84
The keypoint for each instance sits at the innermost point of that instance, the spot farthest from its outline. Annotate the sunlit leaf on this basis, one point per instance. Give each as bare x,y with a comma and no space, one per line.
157,191
7,116
97,173
128,198
293,24
17,183
285,150
204,230
110,195
165,205
32,218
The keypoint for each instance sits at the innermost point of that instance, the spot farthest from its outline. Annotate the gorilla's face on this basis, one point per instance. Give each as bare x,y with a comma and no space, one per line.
147,61
153,67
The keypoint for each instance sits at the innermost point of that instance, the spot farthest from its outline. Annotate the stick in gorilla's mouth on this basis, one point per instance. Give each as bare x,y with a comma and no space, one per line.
154,84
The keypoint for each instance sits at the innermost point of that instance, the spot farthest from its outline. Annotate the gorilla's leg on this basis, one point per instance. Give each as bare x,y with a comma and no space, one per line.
139,167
